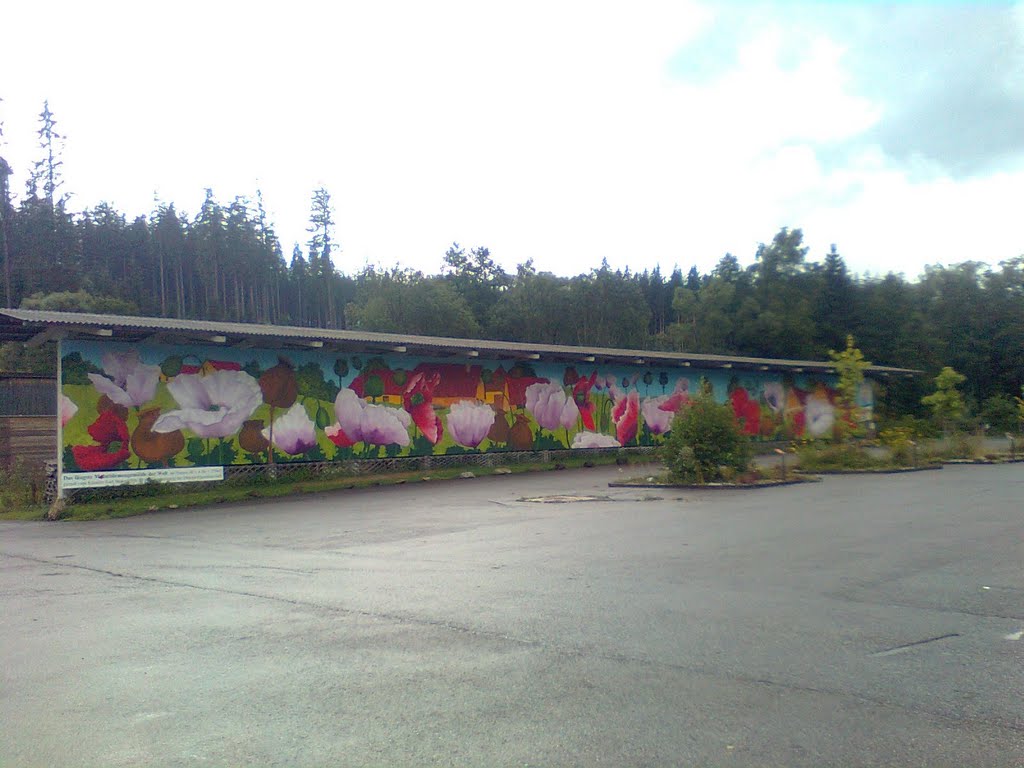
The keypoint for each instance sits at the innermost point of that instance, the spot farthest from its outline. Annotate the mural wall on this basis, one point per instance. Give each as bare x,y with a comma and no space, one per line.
129,407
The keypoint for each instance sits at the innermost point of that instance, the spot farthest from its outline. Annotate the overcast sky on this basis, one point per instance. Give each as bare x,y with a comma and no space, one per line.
644,133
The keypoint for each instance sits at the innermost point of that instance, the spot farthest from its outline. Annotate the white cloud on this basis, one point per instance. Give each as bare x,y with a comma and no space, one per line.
551,131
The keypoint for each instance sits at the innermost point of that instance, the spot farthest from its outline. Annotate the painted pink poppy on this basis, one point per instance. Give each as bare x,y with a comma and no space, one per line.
658,412
294,433
211,406
550,406
469,422
371,424
131,383
67,409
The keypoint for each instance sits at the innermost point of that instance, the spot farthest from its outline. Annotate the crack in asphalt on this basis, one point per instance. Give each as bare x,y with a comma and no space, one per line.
920,607
576,653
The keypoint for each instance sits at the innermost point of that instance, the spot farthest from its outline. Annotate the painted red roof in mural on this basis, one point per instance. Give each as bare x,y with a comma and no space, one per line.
456,380
517,388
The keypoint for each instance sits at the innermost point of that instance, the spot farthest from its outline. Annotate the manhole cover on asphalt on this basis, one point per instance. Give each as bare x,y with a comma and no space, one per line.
563,499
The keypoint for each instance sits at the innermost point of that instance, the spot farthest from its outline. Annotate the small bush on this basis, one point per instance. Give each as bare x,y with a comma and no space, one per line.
917,428
1000,413
900,442
959,445
22,485
705,444
821,458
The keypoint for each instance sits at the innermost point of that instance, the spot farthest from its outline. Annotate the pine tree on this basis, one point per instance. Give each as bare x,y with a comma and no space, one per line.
48,169
5,214
321,227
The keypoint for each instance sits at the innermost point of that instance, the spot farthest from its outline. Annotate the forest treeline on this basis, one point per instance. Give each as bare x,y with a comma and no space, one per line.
226,262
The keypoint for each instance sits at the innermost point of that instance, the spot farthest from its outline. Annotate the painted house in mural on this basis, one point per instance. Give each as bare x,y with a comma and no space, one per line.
155,398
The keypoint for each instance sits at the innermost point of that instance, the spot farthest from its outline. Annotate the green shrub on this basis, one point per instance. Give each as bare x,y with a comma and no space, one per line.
22,485
1000,413
705,444
900,442
918,428
821,458
959,445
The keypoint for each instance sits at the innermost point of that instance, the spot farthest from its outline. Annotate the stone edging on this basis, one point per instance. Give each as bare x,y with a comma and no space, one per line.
869,471
721,486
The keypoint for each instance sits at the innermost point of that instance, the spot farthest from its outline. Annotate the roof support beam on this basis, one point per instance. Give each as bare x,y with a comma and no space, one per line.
53,333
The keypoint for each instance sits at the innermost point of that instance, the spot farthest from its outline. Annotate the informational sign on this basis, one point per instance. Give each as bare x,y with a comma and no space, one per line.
73,480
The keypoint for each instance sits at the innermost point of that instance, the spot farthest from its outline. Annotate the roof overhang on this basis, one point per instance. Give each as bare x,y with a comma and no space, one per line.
37,327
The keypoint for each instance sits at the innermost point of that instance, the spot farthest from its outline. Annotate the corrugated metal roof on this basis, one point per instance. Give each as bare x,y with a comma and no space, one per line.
27,324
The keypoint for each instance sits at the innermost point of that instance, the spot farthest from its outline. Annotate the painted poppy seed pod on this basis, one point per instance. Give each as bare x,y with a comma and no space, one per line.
499,432
105,404
520,436
251,437
278,385
151,446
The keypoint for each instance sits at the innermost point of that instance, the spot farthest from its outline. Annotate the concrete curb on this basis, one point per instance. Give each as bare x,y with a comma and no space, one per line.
880,471
722,486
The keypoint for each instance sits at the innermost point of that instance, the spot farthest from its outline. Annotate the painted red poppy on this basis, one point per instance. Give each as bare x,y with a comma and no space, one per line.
746,410
418,401
337,436
581,394
111,434
625,414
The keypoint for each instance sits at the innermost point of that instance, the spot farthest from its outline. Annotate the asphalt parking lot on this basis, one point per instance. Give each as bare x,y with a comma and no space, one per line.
859,621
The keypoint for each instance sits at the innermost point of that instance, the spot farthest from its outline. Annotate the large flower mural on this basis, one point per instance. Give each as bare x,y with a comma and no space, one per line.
111,435
128,381
260,405
294,433
362,422
550,406
211,406
469,422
